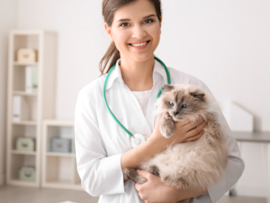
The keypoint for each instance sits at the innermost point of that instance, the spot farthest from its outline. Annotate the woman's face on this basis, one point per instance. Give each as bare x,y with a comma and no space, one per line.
135,30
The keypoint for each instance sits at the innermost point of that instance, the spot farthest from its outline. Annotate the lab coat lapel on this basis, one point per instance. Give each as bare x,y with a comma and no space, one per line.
159,79
158,83
129,111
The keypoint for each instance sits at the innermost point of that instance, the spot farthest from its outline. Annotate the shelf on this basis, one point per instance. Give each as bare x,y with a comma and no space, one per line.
26,110
18,161
59,123
24,64
58,181
60,154
23,152
23,93
60,169
63,184
22,183
24,122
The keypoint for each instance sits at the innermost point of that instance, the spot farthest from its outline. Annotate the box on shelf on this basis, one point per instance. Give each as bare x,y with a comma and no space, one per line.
27,55
25,144
31,79
27,173
20,108
60,145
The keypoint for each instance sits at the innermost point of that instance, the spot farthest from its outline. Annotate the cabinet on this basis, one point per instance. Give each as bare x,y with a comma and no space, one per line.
37,105
59,168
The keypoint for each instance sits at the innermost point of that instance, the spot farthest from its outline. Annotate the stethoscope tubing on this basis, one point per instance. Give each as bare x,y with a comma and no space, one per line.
105,100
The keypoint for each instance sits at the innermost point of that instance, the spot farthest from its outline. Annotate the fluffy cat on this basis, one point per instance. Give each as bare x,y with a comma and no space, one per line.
190,165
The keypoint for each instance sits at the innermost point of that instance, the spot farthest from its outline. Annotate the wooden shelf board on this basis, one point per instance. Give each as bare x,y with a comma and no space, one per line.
16,182
31,32
62,184
24,122
23,93
60,154
58,122
23,152
24,64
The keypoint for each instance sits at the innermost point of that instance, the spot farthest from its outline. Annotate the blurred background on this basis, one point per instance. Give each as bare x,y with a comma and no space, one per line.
226,44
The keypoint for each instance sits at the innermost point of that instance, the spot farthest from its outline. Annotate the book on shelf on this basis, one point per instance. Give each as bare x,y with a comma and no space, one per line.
20,108
31,79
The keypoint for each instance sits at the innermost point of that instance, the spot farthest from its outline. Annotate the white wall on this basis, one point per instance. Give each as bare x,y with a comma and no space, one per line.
7,22
224,43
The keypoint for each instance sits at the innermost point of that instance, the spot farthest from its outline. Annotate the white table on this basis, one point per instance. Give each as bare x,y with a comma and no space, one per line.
261,138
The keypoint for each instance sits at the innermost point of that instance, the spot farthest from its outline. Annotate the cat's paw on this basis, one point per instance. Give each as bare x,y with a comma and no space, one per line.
166,132
132,174
167,126
154,170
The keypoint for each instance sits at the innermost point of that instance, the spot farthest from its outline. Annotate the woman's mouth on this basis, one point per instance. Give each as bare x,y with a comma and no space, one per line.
140,45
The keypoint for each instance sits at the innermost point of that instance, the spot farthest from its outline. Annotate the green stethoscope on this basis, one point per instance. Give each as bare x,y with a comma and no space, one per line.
136,139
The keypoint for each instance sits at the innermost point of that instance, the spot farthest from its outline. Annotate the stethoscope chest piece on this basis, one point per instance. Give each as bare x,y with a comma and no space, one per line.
137,139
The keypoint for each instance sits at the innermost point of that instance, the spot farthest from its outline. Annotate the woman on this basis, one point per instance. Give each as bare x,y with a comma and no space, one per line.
103,148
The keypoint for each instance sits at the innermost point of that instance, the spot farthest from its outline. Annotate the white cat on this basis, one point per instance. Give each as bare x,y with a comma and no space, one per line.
196,164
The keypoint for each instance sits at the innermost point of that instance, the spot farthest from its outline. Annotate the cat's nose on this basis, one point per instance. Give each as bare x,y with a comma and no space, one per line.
175,113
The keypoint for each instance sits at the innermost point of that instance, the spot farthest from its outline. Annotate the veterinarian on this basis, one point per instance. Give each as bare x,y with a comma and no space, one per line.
103,147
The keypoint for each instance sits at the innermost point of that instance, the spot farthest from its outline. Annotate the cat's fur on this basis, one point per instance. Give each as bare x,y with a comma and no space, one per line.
190,165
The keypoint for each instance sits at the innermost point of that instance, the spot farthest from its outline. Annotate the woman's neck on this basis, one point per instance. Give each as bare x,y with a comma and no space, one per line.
137,75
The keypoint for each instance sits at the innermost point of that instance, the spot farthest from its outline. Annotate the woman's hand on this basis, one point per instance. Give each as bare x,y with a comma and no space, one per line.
183,131
155,191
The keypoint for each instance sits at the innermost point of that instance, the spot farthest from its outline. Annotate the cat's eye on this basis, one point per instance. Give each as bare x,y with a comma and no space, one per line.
171,103
185,105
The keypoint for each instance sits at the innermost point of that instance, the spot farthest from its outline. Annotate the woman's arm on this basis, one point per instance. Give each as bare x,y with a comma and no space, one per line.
183,132
156,191
95,168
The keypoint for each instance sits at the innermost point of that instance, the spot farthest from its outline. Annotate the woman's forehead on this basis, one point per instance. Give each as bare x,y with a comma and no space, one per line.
136,10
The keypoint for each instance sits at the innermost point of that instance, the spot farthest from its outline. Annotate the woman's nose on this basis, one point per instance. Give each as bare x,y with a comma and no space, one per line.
138,32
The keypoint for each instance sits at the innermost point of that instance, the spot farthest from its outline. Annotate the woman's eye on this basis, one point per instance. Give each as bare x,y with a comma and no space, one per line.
123,24
149,21
171,103
185,105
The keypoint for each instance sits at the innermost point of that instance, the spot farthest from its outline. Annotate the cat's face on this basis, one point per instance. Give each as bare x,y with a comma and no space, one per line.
181,101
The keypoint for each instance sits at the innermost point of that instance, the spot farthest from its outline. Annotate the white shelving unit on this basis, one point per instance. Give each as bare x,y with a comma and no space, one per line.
41,104
59,169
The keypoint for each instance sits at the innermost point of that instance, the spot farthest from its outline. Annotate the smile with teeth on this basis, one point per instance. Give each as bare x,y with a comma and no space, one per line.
139,44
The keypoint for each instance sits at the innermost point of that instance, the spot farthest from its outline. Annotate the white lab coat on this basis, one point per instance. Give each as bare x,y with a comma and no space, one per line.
100,141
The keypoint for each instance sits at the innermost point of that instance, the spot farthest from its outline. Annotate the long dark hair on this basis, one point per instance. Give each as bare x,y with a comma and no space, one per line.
108,9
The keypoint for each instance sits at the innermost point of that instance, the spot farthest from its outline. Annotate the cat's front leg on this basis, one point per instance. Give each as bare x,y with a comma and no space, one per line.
167,125
132,174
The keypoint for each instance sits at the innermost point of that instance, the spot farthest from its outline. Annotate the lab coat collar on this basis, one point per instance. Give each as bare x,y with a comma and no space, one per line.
116,73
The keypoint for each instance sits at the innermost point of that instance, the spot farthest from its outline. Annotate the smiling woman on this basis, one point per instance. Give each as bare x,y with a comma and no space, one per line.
103,148
134,32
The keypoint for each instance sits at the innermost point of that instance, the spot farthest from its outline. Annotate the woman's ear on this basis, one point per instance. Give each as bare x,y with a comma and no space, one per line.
108,30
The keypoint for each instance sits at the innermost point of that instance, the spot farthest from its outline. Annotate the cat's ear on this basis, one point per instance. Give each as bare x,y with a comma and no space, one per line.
168,87
198,95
